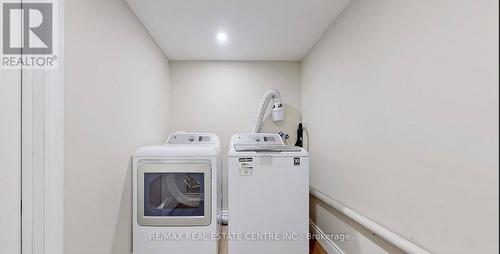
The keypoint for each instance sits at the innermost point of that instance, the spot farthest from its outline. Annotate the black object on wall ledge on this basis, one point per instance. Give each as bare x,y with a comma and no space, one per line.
300,137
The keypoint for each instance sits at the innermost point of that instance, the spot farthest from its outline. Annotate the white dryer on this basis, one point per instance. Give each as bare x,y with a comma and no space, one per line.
176,195
268,196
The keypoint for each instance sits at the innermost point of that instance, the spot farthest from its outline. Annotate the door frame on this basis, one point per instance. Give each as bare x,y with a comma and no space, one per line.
42,155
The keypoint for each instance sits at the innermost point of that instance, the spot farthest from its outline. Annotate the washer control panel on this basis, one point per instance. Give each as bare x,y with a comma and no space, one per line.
258,139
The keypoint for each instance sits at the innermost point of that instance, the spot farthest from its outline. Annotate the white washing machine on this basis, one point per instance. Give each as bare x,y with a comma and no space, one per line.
268,196
177,195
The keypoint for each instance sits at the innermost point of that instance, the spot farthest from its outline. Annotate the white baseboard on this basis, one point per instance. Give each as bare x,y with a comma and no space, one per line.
327,244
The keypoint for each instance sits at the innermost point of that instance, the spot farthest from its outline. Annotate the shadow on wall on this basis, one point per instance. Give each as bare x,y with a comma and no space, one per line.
122,241
355,229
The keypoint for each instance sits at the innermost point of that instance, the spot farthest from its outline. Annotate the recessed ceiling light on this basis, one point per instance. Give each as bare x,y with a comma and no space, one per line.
222,37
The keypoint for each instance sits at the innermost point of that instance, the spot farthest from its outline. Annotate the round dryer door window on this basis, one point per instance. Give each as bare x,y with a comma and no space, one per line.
172,193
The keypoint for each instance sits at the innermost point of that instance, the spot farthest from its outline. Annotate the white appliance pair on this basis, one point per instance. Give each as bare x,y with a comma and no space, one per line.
177,196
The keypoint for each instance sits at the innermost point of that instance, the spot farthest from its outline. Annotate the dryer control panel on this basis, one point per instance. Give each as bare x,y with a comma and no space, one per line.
189,138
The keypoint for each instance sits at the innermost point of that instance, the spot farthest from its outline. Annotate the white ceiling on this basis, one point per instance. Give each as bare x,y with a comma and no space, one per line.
257,29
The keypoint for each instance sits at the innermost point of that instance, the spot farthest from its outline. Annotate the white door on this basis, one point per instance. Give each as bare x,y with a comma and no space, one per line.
10,161
31,106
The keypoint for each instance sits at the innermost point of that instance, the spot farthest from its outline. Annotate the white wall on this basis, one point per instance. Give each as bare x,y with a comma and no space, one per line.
401,102
117,99
223,97
10,156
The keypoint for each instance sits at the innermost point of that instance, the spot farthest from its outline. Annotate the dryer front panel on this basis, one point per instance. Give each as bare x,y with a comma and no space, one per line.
174,193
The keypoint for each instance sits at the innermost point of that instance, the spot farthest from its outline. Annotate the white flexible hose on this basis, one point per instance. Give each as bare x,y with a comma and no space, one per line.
259,118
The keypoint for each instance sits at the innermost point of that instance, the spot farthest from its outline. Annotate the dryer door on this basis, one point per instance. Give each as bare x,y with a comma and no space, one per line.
174,193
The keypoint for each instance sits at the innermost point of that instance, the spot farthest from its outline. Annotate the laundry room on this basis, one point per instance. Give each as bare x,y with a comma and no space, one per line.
244,127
